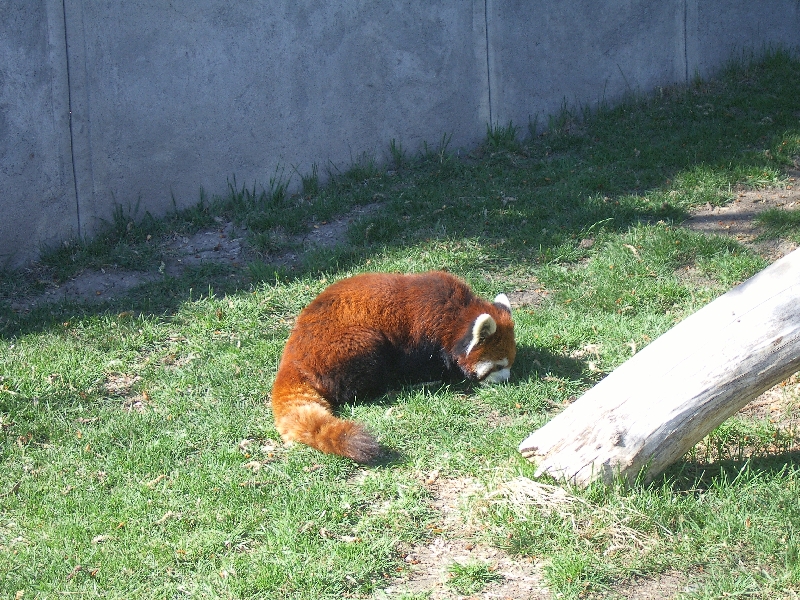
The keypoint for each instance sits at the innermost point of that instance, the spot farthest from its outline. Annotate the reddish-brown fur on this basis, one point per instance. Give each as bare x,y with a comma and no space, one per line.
365,334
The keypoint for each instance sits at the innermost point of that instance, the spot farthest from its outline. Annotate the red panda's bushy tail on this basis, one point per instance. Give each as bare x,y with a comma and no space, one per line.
303,416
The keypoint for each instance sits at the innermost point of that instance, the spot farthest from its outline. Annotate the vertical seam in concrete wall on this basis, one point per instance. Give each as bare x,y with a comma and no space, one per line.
488,61
64,222
71,133
80,114
685,41
692,32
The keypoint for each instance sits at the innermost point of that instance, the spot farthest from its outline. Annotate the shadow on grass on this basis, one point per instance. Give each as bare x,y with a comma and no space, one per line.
696,477
160,298
389,458
166,296
536,362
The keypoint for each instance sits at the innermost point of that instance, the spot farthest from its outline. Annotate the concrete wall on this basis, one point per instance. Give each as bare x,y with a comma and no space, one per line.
37,192
545,54
143,101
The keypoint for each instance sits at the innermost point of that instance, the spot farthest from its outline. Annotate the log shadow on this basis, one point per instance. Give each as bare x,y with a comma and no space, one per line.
696,477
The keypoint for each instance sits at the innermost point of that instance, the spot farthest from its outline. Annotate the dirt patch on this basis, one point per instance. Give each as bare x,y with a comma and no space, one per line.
527,291
779,405
328,234
737,219
121,385
456,540
88,286
529,297
666,586
223,244
775,420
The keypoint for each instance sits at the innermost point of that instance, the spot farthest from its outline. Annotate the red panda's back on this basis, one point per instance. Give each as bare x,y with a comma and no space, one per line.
375,330
392,303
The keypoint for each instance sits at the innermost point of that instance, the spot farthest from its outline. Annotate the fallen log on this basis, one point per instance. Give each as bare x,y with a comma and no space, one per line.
652,409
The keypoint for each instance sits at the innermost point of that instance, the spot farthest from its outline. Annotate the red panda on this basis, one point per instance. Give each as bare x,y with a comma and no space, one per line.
363,335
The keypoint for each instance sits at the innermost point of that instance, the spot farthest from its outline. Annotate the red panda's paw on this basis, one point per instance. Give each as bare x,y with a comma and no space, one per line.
359,445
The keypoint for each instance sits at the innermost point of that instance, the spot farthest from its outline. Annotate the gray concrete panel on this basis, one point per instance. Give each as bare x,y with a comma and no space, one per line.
37,199
185,95
579,53
721,31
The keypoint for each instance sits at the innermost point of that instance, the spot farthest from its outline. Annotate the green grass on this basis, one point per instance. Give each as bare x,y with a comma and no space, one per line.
139,458
470,578
732,528
781,223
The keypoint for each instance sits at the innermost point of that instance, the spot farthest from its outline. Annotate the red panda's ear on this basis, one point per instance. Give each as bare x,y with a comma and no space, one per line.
483,327
503,301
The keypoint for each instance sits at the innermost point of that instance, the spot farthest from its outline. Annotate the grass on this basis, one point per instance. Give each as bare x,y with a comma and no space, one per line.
781,223
139,458
470,578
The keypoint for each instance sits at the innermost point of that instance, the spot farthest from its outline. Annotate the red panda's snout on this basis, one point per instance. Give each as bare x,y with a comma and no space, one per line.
493,372
494,364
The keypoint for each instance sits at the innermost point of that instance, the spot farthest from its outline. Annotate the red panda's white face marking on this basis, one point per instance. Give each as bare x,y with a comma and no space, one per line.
500,370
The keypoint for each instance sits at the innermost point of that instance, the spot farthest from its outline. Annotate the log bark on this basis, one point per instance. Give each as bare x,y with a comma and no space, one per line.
652,409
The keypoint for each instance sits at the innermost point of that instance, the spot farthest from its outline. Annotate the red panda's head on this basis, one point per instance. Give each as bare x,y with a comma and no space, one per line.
491,348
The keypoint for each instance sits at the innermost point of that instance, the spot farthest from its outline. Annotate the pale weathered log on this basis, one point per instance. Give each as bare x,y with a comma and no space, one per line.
653,408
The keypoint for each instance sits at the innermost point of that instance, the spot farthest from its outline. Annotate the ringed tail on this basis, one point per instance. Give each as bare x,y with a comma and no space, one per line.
302,415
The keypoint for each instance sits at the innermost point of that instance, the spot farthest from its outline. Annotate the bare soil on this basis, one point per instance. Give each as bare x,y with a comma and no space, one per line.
222,244
737,219
457,539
